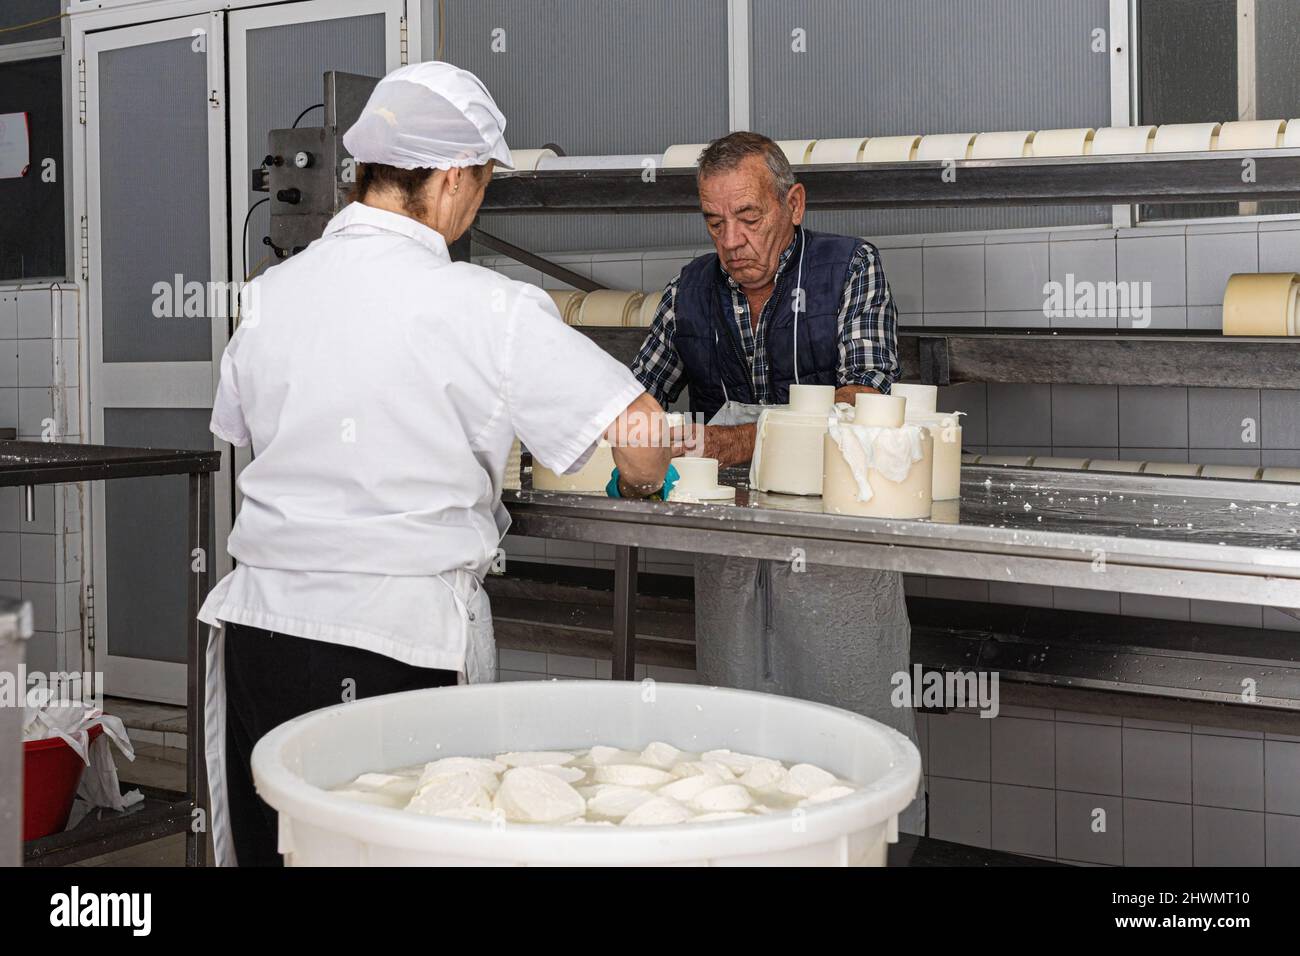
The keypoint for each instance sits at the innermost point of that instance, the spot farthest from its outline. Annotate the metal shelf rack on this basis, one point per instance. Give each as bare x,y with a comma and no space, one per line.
27,464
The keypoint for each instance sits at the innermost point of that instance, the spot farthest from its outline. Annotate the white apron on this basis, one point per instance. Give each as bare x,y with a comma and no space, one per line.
473,617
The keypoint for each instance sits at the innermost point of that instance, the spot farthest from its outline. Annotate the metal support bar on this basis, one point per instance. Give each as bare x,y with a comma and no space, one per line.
544,266
934,360
15,628
200,545
1052,181
625,559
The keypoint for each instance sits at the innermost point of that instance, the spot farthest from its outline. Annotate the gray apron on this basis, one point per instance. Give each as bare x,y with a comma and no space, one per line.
831,635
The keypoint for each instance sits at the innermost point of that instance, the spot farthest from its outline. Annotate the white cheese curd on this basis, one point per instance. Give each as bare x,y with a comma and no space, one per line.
688,788
533,758
390,786
452,792
529,795
804,780
657,812
661,755
768,775
567,774
693,768
601,755
480,771
729,796
631,775
737,763
616,802
827,795
660,785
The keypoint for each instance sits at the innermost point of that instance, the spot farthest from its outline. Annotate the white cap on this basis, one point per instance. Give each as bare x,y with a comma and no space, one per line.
429,116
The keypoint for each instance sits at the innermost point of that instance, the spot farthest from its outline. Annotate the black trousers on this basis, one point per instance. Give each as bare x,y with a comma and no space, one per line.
272,678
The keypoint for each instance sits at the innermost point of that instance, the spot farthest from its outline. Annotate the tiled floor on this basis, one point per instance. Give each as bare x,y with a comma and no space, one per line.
154,766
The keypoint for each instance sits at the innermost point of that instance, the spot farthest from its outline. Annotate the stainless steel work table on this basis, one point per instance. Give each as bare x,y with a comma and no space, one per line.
1230,541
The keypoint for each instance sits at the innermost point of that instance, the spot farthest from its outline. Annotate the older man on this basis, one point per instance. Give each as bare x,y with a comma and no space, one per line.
731,326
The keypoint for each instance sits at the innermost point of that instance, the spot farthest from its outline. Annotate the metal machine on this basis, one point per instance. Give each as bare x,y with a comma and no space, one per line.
307,171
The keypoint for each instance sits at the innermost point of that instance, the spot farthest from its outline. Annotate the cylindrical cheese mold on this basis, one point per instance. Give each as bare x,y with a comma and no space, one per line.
838,150
969,459
1071,464
812,399
945,431
881,411
1122,140
1291,135
1231,472
1062,142
1103,464
619,161
1012,461
608,307
567,301
1261,303
941,146
910,498
527,159
685,154
890,149
1281,474
788,451
1251,134
514,466
649,306
1185,138
1172,469
593,476
1008,145
697,480
797,151
921,399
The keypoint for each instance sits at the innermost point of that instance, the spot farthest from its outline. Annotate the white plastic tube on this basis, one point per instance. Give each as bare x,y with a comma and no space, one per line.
1122,140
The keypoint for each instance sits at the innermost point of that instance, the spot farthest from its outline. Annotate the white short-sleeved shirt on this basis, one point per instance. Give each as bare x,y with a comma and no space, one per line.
381,386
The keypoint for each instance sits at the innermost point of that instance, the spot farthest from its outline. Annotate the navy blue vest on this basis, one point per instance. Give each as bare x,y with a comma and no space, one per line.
709,342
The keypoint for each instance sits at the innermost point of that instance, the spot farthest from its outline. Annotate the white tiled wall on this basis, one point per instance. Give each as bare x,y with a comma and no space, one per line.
1112,791
41,560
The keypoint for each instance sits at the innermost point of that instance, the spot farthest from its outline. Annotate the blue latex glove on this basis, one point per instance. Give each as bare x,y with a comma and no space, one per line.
670,479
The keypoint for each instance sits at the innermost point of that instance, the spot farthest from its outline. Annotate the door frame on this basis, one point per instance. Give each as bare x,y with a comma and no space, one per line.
401,45
151,384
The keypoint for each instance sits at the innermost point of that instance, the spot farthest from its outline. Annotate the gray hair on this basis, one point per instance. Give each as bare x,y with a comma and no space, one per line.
728,152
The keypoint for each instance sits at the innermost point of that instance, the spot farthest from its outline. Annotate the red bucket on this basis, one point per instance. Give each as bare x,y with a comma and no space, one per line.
51,774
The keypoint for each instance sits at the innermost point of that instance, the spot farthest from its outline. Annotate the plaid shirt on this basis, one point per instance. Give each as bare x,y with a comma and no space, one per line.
868,345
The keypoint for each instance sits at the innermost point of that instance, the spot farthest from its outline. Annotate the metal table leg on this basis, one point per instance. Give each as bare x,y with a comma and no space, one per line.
625,558
15,629
196,783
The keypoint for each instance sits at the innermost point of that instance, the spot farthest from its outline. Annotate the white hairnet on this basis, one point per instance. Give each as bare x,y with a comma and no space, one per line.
429,116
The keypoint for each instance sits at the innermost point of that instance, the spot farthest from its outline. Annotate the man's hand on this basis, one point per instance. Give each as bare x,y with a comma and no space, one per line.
845,393
730,444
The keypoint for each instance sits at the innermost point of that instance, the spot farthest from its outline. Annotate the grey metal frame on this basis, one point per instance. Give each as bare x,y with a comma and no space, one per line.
1139,534
939,356
26,464
1090,180
15,629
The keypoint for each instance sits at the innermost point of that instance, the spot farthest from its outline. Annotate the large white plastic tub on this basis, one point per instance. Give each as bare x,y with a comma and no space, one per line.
293,763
